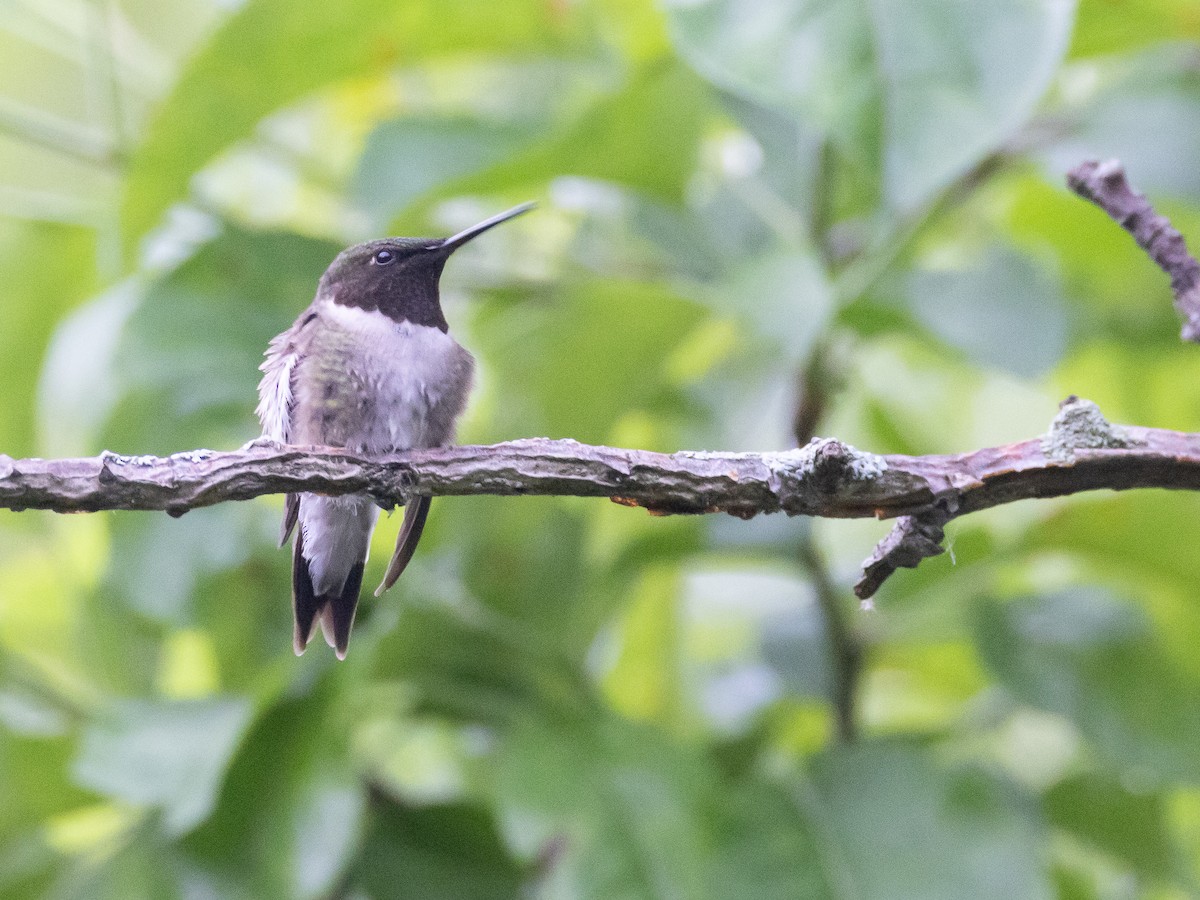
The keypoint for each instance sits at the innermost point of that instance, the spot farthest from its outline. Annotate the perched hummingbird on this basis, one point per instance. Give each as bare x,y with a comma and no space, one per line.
370,366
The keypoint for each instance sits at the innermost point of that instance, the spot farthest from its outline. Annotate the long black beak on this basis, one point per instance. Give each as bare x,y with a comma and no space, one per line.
450,244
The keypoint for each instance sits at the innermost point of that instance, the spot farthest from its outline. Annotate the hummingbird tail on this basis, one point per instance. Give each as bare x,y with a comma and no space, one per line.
415,513
335,612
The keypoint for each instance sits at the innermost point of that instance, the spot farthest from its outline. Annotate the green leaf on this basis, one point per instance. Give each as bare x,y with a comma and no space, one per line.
931,88
791,165
195,341
610,141
1121,541
766,848
1093,660
607,141
1148,117
438,853
46,269
1006,311
143,866
1128,826
901,826
797,649
429,152
958,80
812,59
478,668
289,816
636,815
272,52
1115,26
784,297
525,548
605,341
156,563
168,755
78,387
1110,280
34,783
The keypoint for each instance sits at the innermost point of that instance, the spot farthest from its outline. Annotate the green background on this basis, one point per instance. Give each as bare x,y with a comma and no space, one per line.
758,220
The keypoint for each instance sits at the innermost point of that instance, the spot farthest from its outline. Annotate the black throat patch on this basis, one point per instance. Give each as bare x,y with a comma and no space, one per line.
404,288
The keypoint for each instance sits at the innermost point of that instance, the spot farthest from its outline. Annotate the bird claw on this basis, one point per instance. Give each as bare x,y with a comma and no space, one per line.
262,443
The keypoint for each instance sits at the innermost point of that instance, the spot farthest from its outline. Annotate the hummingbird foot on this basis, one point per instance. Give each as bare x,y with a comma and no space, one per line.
262,443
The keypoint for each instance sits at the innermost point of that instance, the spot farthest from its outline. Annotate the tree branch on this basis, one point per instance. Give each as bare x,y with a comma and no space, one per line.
1082,452
1104,184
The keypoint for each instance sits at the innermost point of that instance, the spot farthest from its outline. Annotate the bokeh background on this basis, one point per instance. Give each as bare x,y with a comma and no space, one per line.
758,220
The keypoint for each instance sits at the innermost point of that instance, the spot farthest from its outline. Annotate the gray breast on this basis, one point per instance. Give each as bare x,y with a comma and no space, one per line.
371,384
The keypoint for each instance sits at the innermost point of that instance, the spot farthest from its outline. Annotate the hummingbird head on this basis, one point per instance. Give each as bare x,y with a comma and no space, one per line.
399,276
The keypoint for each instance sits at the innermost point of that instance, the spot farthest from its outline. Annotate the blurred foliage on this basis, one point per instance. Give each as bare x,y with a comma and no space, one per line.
850,209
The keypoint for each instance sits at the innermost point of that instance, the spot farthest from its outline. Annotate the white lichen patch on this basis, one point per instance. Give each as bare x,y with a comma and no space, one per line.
121,460
866,466
707,454
192,456
1080,425
857,464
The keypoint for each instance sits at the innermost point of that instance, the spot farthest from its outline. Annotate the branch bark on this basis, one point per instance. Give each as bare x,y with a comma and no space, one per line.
1105,184
1082,452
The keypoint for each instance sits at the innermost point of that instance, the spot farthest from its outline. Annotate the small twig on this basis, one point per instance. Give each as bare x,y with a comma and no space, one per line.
912,539
1104,184
1079,426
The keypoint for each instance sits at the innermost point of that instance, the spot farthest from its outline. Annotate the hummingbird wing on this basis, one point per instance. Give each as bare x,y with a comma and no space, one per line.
415,513
291,513
276,390
277,400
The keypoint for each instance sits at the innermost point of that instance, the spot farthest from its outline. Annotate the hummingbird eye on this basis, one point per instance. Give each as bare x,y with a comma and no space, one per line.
383,258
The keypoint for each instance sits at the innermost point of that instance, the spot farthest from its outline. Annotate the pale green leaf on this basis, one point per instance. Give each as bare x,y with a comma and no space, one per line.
1093,660
1004,311
172,756
272,52
902,826
927,88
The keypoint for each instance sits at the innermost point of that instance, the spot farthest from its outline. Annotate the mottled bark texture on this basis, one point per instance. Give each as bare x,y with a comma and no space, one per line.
1081,452
1105,184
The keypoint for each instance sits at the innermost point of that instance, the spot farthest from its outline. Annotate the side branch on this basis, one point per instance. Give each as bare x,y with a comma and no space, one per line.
1105,184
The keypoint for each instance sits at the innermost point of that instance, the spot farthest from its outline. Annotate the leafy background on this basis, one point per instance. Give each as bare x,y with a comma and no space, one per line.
758,219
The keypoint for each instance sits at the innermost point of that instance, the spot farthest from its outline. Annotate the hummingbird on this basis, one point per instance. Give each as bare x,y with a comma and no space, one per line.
371,367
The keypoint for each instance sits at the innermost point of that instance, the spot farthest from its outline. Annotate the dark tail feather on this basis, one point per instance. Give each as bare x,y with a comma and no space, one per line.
337,615
415,513
334,611
304,604
291,512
